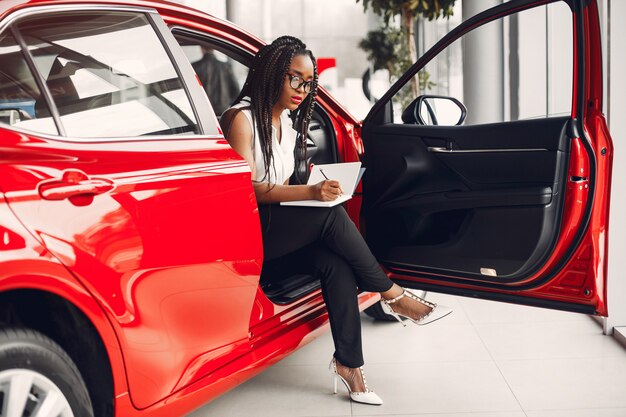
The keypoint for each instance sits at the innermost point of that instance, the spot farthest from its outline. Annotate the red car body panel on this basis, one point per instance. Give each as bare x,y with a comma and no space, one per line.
173,343
132,247
28,265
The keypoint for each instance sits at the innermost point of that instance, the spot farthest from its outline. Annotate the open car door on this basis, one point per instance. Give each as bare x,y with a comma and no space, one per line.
511,203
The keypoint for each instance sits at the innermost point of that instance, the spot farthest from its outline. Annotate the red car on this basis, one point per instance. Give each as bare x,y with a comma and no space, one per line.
130,246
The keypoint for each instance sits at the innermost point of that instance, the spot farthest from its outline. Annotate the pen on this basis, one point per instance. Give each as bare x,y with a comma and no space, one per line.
329,180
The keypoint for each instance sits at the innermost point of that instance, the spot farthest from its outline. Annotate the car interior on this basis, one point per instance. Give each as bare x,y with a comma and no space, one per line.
283,280
476,211
18,89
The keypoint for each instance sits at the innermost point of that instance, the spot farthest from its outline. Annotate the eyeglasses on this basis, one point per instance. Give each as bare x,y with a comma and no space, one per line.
296,82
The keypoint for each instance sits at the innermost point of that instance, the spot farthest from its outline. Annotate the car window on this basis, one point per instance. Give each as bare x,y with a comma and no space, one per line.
109,75
21,102
221,76
525,58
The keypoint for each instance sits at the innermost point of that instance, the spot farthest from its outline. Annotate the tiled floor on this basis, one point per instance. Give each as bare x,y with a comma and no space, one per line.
487,359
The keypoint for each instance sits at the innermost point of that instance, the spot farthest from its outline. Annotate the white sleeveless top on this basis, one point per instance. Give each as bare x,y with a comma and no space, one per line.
283,160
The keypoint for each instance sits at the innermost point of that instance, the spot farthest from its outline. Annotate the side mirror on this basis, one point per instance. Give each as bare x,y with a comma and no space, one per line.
430,110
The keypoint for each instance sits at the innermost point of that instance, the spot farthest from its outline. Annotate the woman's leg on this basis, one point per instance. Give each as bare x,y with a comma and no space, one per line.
339,289
287,229
343,262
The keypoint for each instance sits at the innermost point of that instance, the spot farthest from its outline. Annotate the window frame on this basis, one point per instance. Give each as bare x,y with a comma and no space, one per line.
382,111
245,57
200,106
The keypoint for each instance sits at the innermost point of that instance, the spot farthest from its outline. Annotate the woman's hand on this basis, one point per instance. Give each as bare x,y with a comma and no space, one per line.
327,190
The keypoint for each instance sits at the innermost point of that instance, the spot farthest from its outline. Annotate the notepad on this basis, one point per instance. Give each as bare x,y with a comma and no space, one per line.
347,173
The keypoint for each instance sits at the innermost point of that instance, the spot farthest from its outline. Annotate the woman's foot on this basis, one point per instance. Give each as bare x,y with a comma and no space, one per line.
352,376
354,380
399,302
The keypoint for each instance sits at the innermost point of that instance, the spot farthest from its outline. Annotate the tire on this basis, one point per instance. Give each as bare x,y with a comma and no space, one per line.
35,373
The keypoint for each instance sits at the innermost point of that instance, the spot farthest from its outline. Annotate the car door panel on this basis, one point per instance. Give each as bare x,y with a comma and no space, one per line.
465,158
445,204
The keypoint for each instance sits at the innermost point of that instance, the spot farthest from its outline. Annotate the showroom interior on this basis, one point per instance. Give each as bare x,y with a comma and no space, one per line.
322,25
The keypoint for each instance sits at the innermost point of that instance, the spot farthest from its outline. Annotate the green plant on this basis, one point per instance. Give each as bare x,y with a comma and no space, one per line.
386,49
394,48
429,9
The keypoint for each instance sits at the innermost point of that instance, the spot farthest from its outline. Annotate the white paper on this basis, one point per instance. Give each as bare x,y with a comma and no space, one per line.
347,173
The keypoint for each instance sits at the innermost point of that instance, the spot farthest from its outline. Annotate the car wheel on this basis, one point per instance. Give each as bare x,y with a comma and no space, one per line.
37,377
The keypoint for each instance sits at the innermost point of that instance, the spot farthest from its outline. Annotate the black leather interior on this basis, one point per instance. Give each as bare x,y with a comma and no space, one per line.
463,198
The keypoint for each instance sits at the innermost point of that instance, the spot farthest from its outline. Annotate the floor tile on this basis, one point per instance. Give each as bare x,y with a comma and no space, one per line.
481,414
435,342
286,391
487,359
483,311
458,315
441,387
597,412
539,340
565,384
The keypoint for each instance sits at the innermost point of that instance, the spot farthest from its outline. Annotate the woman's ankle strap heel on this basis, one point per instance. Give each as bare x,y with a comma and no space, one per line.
437,311
366,397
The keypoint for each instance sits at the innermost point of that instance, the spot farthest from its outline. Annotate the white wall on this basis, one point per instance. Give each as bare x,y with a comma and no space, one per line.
330,28
616,109
216,8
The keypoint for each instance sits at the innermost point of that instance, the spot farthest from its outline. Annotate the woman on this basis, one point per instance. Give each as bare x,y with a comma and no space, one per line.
283,78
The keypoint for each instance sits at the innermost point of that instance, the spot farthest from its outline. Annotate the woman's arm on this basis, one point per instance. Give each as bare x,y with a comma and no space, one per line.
327,190
238,133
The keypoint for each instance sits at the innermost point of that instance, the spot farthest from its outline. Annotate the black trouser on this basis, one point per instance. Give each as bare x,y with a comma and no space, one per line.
337,255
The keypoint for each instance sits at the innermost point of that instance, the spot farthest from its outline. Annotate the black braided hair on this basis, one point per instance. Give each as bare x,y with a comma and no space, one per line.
264,85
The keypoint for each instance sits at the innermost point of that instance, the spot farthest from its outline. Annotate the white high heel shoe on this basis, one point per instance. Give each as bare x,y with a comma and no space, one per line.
437,311
367,397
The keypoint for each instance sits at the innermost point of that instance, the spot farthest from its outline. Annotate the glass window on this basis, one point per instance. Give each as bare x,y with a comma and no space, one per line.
221,76
515,68
21,102
109,75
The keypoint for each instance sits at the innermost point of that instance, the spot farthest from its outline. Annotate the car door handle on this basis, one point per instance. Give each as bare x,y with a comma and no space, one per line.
73,183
